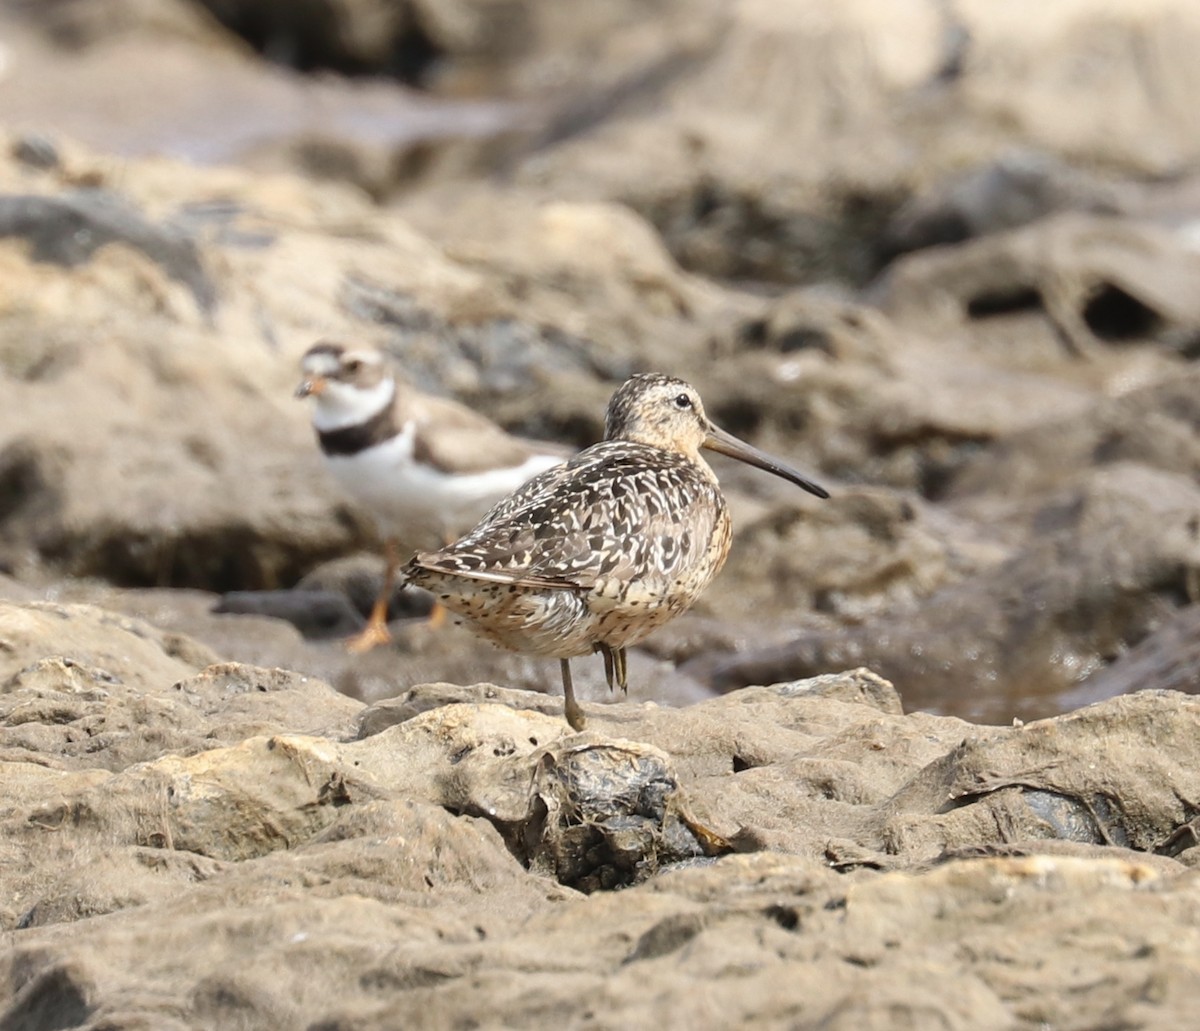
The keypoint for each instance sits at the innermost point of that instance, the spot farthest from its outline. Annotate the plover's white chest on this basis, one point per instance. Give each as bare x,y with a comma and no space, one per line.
409,496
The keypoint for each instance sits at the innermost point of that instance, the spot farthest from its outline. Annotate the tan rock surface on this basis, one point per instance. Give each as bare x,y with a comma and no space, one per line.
798,854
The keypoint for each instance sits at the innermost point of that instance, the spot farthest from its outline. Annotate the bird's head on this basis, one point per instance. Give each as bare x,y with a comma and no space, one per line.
667,413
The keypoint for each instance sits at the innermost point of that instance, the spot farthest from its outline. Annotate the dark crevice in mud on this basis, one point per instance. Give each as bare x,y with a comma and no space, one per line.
741,236
1113,314
787,917
309,37
667,936
1004,302
1097,820
225,560
24,486
1184,837
55,999
940,453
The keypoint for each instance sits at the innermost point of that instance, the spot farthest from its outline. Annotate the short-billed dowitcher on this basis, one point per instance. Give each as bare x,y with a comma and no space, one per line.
596,554
423,466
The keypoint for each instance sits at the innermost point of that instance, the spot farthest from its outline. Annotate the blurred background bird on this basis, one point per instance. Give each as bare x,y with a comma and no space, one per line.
423,466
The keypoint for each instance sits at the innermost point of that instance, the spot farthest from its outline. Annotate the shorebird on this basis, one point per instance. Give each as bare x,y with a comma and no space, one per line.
423,466
596,554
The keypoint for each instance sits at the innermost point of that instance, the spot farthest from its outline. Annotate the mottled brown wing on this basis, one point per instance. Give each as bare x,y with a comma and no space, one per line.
435,563
616,510
532,492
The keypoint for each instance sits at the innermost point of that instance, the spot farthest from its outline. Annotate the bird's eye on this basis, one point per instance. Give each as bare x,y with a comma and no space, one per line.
683,401
353,365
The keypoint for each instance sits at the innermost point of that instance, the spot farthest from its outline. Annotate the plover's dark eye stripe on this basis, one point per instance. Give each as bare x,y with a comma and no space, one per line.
355,361
334,351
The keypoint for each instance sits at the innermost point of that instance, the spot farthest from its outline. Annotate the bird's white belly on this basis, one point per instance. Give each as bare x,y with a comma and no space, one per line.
409,497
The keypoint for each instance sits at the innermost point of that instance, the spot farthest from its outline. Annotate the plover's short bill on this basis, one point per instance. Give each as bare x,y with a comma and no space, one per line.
423,466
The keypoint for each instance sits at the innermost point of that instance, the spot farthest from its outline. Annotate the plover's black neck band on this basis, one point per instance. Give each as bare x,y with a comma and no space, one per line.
350,440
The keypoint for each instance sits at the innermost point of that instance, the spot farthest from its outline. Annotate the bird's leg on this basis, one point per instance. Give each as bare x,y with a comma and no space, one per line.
607,653
574,714
614,667
376,631
618,655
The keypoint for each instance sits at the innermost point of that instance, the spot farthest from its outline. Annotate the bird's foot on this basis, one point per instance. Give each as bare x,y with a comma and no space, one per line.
575,718
373,634
574,713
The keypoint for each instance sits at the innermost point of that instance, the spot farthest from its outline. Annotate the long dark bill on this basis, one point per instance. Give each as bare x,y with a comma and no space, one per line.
727,444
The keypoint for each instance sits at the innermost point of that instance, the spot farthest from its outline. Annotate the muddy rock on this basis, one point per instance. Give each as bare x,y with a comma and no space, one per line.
1121,281
1023,629
1152,424
90,645
794,140
457,47
77,71
90,688
1167,659
1017,188
1096,803
325,864
377,874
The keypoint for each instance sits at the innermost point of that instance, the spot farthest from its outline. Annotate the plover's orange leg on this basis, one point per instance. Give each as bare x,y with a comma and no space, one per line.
376,631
